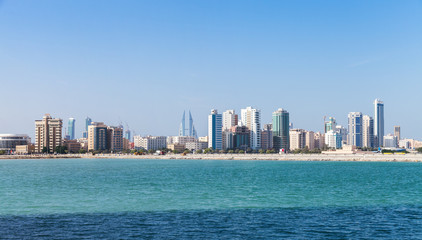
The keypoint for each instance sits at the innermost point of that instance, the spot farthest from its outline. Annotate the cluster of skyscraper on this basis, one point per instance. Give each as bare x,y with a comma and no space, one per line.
225,131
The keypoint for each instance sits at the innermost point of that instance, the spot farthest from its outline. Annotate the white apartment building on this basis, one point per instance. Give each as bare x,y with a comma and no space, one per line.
150,142
251,118
230,119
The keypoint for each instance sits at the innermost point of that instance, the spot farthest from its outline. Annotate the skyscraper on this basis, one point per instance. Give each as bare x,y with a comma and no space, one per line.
367,131
48,134
88,122
230,119
397,133
215,127
379,122
71,128
251,118
128,135
281,138
191,130
330,124
355,129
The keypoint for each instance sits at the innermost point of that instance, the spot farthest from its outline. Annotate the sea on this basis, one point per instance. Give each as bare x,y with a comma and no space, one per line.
209,199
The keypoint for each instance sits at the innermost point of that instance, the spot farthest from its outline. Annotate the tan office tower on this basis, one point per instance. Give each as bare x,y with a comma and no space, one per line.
48,134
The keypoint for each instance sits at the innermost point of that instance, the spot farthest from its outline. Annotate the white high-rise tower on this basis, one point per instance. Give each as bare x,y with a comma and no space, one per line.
251,118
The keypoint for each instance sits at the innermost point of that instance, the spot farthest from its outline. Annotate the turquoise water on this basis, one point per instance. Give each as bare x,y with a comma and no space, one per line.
312,199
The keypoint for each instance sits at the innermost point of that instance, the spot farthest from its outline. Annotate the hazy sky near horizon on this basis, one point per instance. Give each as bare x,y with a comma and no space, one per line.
144,62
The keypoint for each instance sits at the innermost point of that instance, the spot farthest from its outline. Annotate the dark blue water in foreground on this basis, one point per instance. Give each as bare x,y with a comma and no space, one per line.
301,223
156,199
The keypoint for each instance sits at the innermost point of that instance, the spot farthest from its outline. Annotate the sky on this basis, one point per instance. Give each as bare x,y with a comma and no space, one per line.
142,63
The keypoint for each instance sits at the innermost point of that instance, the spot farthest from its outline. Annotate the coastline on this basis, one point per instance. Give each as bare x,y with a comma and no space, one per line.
411,157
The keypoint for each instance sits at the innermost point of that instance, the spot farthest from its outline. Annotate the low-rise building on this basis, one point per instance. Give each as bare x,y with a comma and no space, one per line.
73,146
8,142
150,142
24,149
176,146
198,145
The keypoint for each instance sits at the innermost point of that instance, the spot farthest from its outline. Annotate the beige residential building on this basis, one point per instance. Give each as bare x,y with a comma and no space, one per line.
319,140
310,139
97,136
176,146
48,134
297,139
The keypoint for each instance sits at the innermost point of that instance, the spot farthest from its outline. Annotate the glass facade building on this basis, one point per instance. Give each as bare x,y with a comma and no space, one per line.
379,123
71,128
8,142
355,129
281,129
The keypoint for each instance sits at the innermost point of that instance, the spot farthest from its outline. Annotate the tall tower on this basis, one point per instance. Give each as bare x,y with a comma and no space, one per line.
355,129
379,122
182,126
230,119
215,126
330,125
281,131
251,118
88,122
48,134
397,133
367,131
192,131
71,128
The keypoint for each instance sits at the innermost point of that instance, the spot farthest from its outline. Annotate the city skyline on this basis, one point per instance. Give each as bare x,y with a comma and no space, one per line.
337,56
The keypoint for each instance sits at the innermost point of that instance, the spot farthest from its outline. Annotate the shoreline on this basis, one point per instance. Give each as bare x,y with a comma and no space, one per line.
410,157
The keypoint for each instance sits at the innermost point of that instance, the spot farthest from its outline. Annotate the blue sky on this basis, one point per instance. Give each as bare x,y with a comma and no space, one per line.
144,62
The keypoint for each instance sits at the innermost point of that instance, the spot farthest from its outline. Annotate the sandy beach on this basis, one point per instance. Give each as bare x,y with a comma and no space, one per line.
411,157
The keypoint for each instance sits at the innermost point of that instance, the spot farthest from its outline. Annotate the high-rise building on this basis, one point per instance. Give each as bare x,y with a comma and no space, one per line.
267,137
367,132
128,135
297,139
355,129
97,137
191,130
333,139
230,119
115,138
310,140
251,118
379,122
281,139
241,137
343,132
397,133
330,124
88,122
48,134
215,127
71,128
319,140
